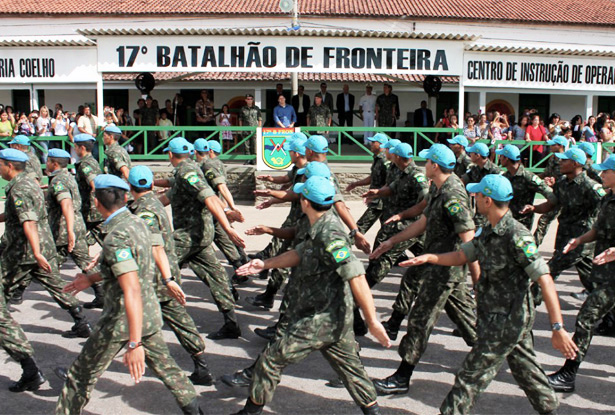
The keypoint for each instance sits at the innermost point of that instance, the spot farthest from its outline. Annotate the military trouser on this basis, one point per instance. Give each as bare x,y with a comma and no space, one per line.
408,289
287,348
369,217
96,356
22,275
543,225
203,261
379,268
249,146
436,295
498,341
80,254
597,305
180,322
279,275
528,222
12,337
95,234
225,245
580,257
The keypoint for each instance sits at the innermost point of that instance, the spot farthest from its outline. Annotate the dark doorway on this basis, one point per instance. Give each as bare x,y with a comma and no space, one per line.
539,102
21,100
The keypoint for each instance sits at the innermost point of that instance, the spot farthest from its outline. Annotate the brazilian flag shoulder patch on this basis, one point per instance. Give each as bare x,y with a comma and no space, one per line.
453,206
420,178
18,202
58,187
528,245
341,254
87,169
192,177
148,217
210,175
599,189
536,179
123,254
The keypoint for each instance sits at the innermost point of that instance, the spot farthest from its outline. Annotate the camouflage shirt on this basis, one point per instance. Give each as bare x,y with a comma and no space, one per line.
320,302
605,238
552,169
579,200
378,176
250,116
295,206
476,173
591,172
463,164
87,170
151,210
192,220
409,188
33,166
25,201
212,174
386,110
319,115
509,261
525,185
116,157
127,247
62,185
448,214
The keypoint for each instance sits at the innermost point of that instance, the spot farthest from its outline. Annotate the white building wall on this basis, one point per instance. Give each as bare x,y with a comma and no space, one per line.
70,98
6,97
512,99
567,106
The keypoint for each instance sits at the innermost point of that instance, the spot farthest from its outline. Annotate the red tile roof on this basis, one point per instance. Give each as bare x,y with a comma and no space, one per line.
594,12
276,77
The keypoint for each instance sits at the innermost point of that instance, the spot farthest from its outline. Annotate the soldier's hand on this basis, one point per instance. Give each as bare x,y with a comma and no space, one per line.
561,341
265,177
71,240
604,257
42,263
262,193
134,360
257,230
550,181
44,186
234,216
527,209
92,263
413,262
377,330
266,204
382,248
394,218
361,242
80,283
370,194
235,238
176,292
350,187
571,245
253,267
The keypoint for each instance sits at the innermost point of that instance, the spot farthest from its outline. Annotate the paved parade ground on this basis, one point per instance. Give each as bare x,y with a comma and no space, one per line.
302,389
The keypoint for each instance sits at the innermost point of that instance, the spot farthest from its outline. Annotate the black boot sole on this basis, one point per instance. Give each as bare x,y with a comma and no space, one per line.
208,381
253,301
31,385
229,380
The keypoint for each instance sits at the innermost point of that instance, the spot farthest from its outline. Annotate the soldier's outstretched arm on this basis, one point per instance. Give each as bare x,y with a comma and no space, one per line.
473,266
214,204
288,259
560,338
360,241
162,183
545,207
282,233
411,212
2,217
385,191
364,299
162,263
587,237
415,229
449,259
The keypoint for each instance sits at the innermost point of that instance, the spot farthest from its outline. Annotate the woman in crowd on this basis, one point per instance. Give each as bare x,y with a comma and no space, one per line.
224,120
536,132
555,127
471,131
60,124
483,127
6,126
576,123
588,133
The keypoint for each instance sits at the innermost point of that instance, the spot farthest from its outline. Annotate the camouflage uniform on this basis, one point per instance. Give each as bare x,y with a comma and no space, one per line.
63,186
408,189
591,172
151,210
525,185
33,166
319,315
127,248
194,231
87,169
552,170
250,116
579,201
319,116
116,157
509,261
378,176
386,115
601,299
25,202
448,214
463,164
475,174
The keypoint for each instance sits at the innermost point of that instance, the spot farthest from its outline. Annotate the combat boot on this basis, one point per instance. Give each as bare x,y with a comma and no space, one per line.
230,329
251,409
359,326
31,378
82,327
17,296
201,374
235,293
267,333
192,408
393,324
98,301
264,300
240,379
371,410
563,379
393,385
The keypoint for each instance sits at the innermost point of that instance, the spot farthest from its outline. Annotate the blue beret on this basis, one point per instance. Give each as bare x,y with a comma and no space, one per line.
112,128
106,181
11,154
58,153
80,138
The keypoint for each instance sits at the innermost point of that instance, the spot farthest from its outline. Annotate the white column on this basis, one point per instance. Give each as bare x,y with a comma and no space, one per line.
294,78
100,105
33,98
589,105
482,102
461,110
258,97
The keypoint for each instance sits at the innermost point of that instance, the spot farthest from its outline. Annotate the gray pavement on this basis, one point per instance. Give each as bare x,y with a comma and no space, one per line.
302,389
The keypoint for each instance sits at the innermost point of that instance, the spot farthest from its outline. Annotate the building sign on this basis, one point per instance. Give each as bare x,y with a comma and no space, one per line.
539,72
278,54
48,65
271,154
